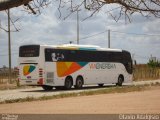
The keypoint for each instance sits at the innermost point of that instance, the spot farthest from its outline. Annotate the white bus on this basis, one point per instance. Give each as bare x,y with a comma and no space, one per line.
64,66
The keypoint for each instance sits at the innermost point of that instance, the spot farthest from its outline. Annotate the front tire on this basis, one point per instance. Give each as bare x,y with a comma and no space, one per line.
120,80
47,88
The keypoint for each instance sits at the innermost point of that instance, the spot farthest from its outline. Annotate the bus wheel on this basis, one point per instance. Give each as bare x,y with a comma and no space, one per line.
100,85
68,83
79,82
120,80
47,88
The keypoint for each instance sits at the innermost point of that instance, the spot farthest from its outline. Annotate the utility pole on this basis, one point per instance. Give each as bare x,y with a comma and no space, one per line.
77,27
9,47
109,39
133,61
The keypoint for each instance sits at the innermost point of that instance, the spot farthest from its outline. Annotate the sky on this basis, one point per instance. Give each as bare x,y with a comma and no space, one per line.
48,28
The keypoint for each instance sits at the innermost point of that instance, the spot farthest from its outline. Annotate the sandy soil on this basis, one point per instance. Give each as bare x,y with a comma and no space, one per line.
132,102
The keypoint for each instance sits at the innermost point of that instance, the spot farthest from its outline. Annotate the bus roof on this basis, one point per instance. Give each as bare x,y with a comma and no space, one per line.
86,47
81,47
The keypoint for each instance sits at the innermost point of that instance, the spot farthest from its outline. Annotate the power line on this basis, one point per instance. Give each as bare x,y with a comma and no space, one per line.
5,50
144,57
93,35
144,34
7,54
112,9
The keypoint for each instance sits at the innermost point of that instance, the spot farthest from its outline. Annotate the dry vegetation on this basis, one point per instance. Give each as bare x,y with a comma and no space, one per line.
4,83
144,72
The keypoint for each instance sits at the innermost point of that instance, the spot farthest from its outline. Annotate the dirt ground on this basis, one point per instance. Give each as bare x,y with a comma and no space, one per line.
144,102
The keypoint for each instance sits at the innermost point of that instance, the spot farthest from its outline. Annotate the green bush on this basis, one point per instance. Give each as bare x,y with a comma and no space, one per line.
153,64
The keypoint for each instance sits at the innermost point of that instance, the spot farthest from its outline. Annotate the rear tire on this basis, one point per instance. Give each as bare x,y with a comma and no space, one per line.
47,88
68,83
120,80
79,82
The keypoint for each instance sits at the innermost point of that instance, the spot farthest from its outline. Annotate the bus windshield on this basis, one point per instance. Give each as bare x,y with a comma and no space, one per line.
29,51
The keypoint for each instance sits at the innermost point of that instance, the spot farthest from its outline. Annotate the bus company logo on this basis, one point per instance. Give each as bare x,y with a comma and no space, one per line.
67,68
102,66
29,77
28,69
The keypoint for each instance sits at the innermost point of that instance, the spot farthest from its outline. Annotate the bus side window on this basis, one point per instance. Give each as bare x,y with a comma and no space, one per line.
70,54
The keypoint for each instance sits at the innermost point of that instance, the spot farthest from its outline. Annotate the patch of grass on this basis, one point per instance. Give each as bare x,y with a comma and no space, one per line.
20,100
123,89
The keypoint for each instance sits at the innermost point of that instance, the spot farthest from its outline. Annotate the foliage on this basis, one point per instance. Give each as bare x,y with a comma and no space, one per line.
125,8
153,63
145,72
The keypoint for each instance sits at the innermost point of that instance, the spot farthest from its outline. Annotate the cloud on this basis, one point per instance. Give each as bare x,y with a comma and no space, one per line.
152,27
47,28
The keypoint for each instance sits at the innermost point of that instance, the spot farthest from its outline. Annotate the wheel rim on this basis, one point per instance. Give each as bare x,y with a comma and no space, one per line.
120,81
79,83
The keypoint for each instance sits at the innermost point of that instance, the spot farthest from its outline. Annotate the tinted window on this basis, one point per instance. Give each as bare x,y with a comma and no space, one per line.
82,56
29,51
123,57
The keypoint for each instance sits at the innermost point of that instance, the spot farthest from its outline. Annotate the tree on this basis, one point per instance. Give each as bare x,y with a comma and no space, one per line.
153,63
125,7
32,5
6,4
